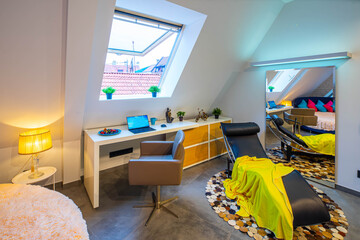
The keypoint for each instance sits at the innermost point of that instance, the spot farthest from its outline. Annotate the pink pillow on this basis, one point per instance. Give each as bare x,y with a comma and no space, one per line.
328,106
311,104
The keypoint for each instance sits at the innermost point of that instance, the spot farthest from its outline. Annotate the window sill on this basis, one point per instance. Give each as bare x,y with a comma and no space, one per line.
129,97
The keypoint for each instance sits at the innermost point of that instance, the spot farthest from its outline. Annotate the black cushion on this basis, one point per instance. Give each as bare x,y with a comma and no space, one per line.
279,122
240,129
307,207
246,145
243,140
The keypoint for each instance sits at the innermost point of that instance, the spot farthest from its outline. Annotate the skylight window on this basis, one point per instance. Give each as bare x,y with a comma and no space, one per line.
282,79
139,52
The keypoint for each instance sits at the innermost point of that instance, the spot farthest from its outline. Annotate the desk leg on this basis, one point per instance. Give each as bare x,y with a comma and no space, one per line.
91,170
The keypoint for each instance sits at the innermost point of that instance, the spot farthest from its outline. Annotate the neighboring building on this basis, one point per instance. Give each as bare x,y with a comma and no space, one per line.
160,66
130,83
146,69
119,68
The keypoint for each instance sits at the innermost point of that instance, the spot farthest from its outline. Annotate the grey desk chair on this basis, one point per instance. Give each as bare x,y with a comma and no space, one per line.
160,163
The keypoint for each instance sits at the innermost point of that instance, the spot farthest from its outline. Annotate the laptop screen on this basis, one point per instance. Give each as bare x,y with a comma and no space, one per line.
272,104
137,122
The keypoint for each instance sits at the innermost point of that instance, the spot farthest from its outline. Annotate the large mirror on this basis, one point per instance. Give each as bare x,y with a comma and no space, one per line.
300,120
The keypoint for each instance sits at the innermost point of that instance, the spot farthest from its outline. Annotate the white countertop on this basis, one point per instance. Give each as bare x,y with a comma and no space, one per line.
274,110
23,178
126,135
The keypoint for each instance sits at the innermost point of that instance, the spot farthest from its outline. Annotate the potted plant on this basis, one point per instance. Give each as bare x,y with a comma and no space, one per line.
180,115
154,90
217,112
109,92
271,88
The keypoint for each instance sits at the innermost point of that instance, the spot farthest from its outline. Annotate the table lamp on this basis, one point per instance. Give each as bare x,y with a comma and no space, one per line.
286,103
33,142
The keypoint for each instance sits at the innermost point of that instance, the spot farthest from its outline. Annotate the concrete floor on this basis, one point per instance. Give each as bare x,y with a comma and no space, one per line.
116,219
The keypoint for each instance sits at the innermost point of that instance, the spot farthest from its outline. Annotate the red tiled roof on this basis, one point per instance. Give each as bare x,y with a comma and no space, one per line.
130,83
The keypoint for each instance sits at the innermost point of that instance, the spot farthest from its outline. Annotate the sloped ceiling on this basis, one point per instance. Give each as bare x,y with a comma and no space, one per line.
306,81
311,80
231,33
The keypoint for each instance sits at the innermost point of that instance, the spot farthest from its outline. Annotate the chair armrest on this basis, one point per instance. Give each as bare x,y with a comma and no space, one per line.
300,119
155,172
303,111
292,119
148,148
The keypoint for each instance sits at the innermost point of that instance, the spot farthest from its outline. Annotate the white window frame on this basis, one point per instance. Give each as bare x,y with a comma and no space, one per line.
192,22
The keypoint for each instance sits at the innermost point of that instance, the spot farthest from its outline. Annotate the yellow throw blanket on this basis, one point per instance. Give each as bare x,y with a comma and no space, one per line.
260,192
322,143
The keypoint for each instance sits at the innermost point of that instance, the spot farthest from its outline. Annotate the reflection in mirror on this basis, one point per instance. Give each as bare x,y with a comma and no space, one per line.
300,110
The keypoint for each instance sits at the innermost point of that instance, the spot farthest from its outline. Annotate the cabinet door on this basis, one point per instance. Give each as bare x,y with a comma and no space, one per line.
196,154
215,130
196,135
217,147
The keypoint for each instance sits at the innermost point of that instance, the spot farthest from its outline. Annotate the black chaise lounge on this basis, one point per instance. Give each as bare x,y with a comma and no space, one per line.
308,209
289,140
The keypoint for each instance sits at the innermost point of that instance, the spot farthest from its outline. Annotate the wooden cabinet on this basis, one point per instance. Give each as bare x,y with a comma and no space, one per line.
196,135
204,142
217,147
196,154
215,130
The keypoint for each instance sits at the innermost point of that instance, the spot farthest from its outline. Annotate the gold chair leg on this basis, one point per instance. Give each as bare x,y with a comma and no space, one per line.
157,204
169,200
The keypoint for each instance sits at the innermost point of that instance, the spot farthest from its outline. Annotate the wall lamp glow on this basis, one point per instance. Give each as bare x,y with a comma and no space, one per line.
314,58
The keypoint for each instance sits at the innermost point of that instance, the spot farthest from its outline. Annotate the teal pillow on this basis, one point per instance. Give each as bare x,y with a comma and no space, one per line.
333,106
303,104
320,106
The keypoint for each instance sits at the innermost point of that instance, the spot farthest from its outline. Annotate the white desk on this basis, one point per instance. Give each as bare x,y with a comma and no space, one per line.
93,141
276,110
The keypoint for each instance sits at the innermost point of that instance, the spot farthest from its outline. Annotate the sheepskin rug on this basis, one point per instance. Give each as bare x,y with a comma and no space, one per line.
33,212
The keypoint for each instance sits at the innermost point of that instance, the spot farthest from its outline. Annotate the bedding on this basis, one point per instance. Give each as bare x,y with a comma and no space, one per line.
329,107
320,106
326,121
257,185
312,105
322,143
32,212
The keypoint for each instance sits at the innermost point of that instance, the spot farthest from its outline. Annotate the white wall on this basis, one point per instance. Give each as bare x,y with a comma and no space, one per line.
230,35
309,80
79,45
36,46
305,28
32,47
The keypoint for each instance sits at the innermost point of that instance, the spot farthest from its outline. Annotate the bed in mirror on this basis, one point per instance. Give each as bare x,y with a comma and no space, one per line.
300,120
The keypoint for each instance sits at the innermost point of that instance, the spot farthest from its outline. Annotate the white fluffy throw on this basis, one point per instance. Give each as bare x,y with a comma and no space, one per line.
33,212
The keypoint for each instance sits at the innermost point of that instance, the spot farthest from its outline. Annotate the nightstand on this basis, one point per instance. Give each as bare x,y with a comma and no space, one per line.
23,178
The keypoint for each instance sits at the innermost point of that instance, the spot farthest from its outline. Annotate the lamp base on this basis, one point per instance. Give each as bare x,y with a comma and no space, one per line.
35,175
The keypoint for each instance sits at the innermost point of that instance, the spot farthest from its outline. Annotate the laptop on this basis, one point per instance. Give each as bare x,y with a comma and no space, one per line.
273,105
139,124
